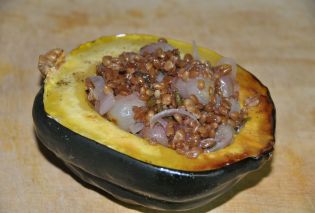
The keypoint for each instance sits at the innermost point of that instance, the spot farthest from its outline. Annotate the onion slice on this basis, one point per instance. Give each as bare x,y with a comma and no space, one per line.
168,112
223,137
106,103
151,48
235,105
160,77
230,61
136,127
190,87
162,122
155,134
218,100
207,143
195,50
122,111
98,83
227,86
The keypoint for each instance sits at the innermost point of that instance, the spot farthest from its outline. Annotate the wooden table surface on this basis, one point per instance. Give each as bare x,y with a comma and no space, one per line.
273,39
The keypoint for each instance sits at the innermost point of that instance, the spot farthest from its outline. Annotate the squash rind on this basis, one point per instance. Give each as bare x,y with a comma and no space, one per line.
131,180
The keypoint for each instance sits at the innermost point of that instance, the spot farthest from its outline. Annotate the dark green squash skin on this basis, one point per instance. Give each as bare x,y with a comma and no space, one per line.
132,180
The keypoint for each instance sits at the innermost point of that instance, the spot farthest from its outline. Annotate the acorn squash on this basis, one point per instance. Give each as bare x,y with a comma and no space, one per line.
126,165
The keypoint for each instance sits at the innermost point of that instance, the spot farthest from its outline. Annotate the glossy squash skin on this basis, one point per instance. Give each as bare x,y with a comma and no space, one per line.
152,176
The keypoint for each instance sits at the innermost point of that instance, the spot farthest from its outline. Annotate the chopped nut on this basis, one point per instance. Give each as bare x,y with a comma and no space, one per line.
51,61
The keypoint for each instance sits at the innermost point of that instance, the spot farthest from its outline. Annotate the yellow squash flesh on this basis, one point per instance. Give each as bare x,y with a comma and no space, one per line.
65,100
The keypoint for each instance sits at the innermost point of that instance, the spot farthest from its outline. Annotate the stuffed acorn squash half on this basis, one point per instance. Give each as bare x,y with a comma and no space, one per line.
154,122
